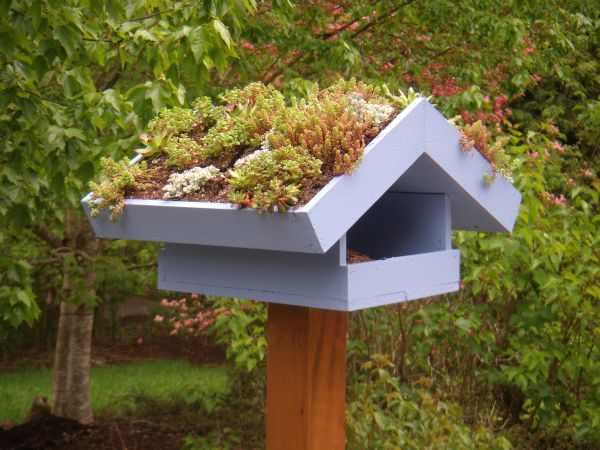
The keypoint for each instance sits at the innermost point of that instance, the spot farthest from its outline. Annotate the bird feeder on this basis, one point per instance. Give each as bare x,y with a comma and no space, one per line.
413,186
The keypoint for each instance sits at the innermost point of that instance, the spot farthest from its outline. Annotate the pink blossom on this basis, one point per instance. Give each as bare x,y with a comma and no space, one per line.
557,146
139,341
554,199
248,46
529,49
587,173
536,78
158,318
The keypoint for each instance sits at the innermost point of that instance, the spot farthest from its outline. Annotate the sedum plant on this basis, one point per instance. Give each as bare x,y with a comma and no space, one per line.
165,127
117,177
477,136
333,125
273,179
247,115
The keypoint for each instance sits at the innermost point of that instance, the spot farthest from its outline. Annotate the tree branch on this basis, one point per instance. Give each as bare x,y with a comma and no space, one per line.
48,236
381,19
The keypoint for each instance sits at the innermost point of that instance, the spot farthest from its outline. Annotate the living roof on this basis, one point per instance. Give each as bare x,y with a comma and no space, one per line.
419,151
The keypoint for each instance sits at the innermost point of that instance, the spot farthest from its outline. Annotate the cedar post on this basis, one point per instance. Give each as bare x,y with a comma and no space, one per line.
306,378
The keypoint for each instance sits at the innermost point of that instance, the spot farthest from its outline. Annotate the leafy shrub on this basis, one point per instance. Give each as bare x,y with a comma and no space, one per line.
384,414
242,330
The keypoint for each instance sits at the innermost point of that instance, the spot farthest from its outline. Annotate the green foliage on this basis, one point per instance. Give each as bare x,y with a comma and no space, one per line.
242,330
384,414
181,151
324,135
172,121
78,81
519,339
164,130
273,179
249,114
227,440
17,299
327,128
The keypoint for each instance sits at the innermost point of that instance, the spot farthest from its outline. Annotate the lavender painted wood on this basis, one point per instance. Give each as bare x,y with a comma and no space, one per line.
403,224
403,278
499,202
318,281
294,278
208,224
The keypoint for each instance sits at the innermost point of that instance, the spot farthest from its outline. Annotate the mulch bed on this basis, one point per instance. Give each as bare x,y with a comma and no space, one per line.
58,433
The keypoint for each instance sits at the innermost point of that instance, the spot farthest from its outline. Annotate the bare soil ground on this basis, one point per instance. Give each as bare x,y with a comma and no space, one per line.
58,433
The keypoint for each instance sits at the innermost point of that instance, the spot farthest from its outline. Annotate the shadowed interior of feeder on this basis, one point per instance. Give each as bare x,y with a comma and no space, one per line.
401,224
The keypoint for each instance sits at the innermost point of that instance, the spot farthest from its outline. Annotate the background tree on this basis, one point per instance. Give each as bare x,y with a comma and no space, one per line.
77,81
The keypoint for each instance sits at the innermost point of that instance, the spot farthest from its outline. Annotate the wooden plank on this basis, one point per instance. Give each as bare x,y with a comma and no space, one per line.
401,224
208,224
306,378
403,278
288,277
317,281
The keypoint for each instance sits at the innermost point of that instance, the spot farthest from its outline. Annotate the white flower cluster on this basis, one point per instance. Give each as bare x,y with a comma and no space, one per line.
377,113
264,149
251,157
190,181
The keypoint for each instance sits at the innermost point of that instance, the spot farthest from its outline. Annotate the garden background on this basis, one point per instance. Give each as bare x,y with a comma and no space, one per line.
510,361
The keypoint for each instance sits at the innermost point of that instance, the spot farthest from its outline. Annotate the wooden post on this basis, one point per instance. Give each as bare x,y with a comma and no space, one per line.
306,378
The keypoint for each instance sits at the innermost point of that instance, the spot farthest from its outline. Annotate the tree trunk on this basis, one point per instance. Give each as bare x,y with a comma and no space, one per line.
71,372
72,363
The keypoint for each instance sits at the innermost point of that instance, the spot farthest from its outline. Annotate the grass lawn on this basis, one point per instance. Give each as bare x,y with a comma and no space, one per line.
116,389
